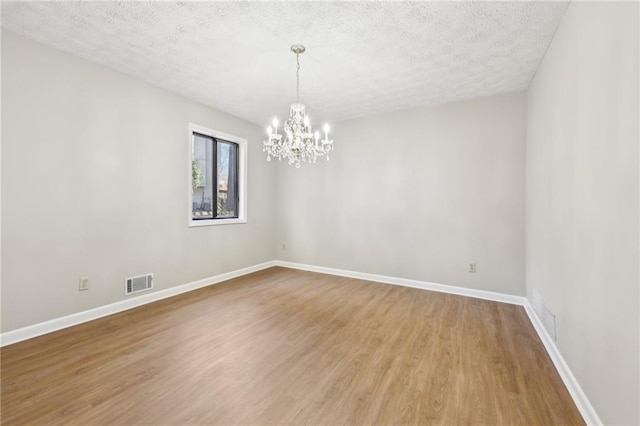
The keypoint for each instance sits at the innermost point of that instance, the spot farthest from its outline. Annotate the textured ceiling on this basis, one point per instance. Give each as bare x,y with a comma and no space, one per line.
362,58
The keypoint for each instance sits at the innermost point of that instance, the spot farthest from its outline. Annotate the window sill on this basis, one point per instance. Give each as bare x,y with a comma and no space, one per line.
210,222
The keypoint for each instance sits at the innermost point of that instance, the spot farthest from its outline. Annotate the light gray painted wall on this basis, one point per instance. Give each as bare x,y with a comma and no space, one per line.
94,171
416,194
582,200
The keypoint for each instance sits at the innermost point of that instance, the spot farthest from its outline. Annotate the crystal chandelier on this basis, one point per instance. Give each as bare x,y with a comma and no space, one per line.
298,143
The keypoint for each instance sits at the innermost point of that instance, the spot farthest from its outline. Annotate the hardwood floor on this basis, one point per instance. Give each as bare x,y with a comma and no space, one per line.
288,347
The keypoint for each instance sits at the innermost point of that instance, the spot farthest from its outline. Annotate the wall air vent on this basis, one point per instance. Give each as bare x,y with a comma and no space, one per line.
137,284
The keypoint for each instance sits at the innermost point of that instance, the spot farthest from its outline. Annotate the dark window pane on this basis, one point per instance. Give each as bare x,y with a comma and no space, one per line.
202,177
227,190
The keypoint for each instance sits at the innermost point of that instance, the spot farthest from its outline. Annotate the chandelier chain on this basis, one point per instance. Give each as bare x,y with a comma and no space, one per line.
298,76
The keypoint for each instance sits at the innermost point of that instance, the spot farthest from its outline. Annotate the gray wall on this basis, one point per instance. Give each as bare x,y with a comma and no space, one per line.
416,194
94,183
582,200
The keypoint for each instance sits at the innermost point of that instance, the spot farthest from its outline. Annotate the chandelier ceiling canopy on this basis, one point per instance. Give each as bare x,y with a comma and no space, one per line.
297,143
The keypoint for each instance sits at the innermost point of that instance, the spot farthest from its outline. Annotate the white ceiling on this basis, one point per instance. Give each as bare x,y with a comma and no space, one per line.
362,58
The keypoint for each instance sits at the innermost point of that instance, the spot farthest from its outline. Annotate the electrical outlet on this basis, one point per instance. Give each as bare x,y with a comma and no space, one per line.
472,268
284,247
83,284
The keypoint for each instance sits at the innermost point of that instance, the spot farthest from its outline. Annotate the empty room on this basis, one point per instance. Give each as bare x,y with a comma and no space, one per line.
324,213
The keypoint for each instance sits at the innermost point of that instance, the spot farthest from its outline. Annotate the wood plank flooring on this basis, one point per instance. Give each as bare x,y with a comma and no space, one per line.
289,347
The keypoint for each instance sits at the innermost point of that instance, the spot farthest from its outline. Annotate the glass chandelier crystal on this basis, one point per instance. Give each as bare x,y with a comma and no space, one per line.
298,143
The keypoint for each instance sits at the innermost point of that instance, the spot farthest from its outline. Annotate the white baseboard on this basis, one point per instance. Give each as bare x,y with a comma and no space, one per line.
55,324
424,285
579,398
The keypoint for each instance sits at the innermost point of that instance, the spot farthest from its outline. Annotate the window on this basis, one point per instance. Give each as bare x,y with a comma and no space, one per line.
217,177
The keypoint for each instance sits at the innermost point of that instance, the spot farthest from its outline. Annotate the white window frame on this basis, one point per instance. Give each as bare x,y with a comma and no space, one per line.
242,176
